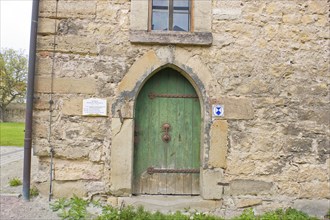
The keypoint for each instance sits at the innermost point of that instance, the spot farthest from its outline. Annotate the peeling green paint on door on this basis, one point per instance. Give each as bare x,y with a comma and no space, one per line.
167,97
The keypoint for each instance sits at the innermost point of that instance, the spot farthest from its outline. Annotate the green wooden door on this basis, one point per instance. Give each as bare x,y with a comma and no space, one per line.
167,164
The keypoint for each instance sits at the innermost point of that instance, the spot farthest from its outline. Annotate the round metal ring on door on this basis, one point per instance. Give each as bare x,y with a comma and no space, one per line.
166,128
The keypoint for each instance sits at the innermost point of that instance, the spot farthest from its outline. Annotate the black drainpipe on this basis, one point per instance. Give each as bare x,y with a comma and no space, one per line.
29,102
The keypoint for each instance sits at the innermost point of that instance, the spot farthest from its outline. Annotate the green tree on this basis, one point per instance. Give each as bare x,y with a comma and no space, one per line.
13,75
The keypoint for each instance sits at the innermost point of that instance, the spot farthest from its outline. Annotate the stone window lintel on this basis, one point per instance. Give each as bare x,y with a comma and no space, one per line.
171,37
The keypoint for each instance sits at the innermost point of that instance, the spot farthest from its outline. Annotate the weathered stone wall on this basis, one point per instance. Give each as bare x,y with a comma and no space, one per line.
15,112
268,63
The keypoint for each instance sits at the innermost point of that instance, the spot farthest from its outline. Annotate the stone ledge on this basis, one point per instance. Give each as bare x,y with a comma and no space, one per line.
168,203
171,37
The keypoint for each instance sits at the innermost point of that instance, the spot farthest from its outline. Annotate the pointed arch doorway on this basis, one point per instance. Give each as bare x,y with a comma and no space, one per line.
167,136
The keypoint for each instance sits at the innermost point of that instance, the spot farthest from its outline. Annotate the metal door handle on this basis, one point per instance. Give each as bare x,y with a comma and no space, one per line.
166,128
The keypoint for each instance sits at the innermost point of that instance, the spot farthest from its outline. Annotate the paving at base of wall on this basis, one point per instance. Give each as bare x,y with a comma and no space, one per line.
10,154
12,205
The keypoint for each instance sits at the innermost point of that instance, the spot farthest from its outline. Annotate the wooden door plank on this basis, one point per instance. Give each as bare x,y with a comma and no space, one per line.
187,148
173,145
173,120
182,135
144,183
148,105
152,139
140,146
171,183
179,185
195,184
163,146
196,134
187,183
153,183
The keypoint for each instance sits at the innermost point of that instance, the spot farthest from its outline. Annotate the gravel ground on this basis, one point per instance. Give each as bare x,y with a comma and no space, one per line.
16,208
12,205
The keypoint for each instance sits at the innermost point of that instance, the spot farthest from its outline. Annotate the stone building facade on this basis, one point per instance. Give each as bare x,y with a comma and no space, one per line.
265,62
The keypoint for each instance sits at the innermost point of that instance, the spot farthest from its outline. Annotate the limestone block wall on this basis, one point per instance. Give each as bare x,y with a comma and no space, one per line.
268,63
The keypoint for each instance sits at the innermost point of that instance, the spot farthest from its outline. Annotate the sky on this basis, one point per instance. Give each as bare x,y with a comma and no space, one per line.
15,24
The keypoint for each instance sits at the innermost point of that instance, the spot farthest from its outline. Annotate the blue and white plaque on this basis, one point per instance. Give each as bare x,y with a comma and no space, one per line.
218,110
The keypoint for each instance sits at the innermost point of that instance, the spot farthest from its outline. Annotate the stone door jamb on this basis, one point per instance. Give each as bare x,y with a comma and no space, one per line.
122,148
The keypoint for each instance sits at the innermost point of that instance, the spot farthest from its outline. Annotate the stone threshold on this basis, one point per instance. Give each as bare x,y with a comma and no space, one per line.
170,203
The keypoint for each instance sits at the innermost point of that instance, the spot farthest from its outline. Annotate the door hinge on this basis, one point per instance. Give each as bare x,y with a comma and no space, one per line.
154,95
152,170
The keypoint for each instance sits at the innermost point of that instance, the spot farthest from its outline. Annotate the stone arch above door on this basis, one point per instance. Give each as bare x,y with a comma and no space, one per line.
192,68
183,61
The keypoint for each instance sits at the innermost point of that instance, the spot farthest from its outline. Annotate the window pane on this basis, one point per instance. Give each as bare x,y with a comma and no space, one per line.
181,15
181,4
160,3
180,21
159,20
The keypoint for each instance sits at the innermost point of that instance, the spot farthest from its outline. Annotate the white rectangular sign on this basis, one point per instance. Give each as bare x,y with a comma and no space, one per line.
95,107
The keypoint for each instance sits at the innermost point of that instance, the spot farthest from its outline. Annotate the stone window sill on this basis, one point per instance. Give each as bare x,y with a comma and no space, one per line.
171,37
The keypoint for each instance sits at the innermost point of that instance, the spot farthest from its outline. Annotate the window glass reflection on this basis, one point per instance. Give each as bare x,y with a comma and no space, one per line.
181,3
180,22
160,20
181,15
163,3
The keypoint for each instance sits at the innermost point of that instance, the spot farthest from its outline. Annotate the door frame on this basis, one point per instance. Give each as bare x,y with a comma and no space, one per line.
123,114
196,147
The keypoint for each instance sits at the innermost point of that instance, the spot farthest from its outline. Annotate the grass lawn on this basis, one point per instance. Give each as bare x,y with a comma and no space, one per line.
12,134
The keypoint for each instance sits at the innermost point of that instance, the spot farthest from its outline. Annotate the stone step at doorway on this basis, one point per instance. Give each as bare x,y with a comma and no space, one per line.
166,203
